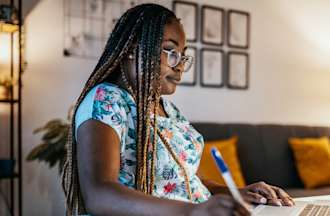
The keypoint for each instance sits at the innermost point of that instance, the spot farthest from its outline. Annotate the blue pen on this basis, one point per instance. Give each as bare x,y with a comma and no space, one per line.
227,177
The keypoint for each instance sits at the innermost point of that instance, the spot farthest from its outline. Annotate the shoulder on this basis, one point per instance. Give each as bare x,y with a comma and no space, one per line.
106,93
109,92
105,102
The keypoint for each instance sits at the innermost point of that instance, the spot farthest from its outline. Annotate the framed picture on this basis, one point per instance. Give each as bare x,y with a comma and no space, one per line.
187,13
73,8
212,67
94,9
238,29
113,11
212,25
189,77
238,70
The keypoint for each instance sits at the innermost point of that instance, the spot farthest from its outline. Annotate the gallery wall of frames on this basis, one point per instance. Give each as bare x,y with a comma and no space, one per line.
219,41
218,38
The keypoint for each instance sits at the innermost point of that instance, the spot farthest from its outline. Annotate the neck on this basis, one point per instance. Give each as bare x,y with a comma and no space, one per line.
160,110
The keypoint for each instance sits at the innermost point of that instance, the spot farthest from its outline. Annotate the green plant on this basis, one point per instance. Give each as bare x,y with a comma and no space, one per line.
52,149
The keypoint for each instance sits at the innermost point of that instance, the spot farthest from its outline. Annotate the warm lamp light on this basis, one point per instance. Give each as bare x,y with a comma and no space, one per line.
8,26
4,48
9,52
5,51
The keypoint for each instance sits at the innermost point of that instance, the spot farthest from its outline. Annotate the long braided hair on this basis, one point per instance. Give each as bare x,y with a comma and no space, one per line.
140,28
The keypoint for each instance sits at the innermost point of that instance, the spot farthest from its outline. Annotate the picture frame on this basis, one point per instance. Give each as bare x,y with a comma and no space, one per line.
238,64
187,12
189,77
212,25
94,9
73,8
238,34
212,67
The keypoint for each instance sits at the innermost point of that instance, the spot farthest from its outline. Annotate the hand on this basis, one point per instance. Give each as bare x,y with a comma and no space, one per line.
262,193
219,205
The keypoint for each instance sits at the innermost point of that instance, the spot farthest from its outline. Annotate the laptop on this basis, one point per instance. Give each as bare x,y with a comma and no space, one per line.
302,208
308,206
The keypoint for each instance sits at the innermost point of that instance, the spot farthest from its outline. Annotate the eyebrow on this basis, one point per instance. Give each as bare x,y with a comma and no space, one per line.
176,43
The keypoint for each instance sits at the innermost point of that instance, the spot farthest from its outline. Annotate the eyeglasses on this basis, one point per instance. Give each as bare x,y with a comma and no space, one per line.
174,58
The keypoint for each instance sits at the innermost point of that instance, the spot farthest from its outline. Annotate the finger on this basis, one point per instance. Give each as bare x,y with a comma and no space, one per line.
286,199
274,202
288,196
256,198
294,203
266,190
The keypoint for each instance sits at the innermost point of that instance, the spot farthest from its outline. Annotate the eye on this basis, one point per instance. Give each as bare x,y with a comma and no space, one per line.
168,48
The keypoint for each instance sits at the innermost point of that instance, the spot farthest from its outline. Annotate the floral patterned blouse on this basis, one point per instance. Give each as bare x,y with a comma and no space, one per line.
115,107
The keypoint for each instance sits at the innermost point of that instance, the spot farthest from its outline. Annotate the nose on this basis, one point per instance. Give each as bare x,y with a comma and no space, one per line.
179,67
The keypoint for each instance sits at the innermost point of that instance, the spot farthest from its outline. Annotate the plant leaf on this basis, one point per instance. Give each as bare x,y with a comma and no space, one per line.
50,125
35,153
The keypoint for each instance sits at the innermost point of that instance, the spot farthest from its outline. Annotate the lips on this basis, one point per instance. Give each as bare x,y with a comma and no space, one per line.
175,80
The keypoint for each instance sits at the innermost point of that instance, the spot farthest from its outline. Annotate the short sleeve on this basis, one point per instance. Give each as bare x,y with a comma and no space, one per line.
104,103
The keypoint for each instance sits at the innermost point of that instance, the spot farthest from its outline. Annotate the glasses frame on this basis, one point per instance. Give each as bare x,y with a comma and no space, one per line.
180,58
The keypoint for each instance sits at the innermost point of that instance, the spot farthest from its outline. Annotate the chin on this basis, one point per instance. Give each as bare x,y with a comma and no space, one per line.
168,90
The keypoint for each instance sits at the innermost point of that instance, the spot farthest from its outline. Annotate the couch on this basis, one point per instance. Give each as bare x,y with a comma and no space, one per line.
264,152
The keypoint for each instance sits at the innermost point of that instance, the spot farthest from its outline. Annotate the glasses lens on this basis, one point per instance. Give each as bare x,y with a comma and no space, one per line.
188,62
173,58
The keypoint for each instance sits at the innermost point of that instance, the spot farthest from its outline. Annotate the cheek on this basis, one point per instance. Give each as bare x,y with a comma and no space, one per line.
165,87
163,66
162,76
162,60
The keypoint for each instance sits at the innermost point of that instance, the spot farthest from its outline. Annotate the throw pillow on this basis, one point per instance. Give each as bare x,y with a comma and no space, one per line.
312,158
209,170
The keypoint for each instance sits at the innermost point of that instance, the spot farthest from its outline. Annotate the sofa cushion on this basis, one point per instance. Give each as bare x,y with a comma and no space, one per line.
263,149
208,169
312,157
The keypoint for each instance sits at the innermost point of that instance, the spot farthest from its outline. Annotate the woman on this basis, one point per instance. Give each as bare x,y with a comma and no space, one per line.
131,152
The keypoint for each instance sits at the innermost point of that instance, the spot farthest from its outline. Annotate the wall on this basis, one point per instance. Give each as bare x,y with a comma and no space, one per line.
290,77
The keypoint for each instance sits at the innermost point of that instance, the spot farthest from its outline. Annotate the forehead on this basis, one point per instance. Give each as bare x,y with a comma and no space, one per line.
174,31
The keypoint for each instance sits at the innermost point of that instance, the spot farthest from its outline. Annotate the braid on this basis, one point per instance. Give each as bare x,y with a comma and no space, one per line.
149,84
142,164
144,24
155,76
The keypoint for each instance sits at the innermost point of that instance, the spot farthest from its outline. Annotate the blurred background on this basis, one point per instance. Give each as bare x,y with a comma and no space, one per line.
61,40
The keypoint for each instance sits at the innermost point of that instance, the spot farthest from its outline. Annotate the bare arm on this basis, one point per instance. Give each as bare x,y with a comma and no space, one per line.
98,164
257,193
214,187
